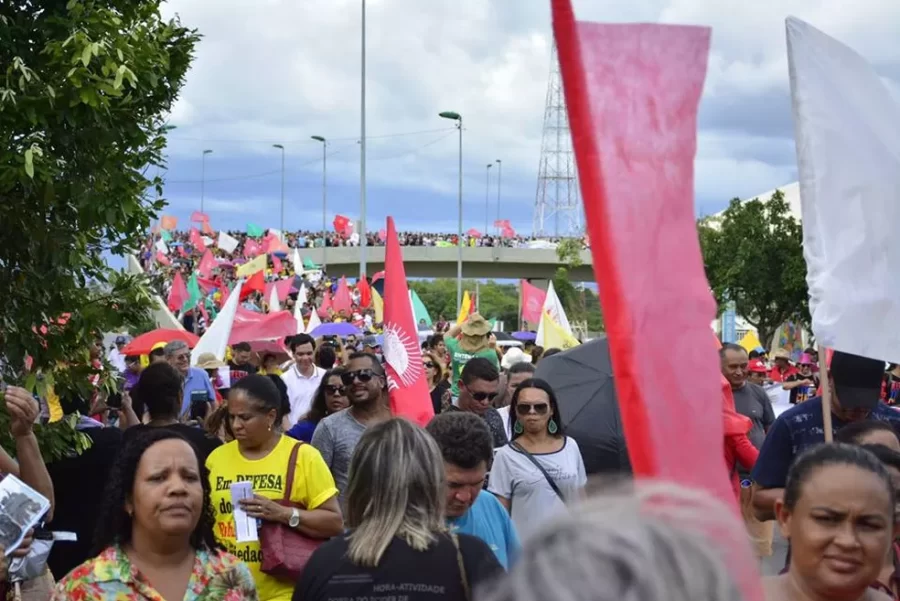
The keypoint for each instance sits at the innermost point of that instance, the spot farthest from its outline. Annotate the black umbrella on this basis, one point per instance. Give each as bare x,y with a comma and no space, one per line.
582,379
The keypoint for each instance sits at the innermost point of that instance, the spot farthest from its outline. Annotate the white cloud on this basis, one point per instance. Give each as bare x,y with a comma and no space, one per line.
281,71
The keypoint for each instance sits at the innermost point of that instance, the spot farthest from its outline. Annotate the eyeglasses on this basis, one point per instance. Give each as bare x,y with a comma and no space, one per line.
539,408
332,389
484,396
363,375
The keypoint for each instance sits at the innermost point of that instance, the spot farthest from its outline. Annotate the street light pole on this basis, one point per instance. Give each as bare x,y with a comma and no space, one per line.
282,185
324,199
499,177
487,196
459,241
362,153
203,178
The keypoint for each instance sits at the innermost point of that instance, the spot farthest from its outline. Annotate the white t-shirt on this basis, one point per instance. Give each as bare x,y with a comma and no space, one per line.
515,477
504,415
301,390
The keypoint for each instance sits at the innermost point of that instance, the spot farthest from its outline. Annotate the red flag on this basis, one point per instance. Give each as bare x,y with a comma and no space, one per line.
632,106
250,326
365,292
178,295
206,284
197,240
508,232
402,355
162,259
325,308
252,248
207,264
473,233
341,301
342,225
378,276
256,283
276,264
168,222
182,252
205,314
532,302
282,286
199,217
207,229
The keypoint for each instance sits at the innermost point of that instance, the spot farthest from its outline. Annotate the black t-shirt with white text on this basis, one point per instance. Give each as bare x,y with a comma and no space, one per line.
402,573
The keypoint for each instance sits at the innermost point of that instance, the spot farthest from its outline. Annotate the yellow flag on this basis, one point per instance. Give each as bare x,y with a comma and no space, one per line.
465,309
56,412
251,267
750,341
555,336
378,303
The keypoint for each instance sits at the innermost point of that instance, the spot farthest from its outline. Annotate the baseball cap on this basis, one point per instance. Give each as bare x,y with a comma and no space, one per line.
857,380
757,366
122,340
370,341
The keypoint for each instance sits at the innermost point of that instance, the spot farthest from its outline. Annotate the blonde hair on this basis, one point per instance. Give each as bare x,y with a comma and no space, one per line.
396,488
639,542
439,372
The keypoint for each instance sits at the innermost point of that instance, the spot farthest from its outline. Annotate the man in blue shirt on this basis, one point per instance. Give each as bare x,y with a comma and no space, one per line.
197,387
856,389
468,449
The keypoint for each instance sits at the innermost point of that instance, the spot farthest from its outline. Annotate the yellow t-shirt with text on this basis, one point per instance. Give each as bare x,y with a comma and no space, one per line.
313,486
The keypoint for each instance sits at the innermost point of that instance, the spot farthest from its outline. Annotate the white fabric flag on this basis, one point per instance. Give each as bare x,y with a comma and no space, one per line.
274,303
298,313
552,305
215,340
226,242
298,263
161,246
302,295
314,321
847,132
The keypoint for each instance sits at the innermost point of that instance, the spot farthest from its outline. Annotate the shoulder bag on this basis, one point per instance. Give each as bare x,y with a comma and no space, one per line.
540,467
285,550
463,577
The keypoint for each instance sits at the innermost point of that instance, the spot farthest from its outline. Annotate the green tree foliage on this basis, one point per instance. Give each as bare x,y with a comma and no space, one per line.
85,89
753,254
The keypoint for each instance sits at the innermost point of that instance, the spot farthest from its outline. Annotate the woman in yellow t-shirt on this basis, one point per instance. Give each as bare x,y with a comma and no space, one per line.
260,454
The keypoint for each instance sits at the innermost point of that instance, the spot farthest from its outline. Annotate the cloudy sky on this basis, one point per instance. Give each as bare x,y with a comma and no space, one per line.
279,71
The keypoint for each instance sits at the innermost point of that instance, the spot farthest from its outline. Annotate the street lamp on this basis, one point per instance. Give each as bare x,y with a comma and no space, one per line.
487,193
459,242
324,200
279,146
203,177
499,177
362,148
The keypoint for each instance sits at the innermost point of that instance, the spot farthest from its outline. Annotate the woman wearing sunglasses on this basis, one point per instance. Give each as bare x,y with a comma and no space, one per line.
438,386
331,397
536,474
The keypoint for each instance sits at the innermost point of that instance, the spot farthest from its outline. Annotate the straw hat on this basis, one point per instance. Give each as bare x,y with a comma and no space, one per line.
476,325
209,361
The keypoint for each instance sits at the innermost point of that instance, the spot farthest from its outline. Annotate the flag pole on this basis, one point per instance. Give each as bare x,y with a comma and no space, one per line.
826,394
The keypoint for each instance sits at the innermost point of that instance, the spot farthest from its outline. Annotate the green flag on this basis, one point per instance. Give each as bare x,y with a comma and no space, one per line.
254,231
165,235
194,294
421,312
308,264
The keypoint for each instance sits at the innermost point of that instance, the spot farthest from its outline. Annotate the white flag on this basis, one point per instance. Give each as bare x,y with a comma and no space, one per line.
847,132
215,340
298,263
553,306
161,246
314,321
302,295
298,312
274,303
227,242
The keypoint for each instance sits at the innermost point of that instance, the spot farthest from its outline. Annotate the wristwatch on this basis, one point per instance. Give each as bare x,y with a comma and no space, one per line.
295,518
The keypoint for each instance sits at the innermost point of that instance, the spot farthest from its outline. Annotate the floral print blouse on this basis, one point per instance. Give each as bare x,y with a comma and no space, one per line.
217,576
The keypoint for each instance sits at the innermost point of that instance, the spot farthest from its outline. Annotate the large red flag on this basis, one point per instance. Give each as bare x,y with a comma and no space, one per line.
162,259
365,292
178,295
197,240
632,93
341,300
199,217
207,264
325,308
402,354
532,302
256,283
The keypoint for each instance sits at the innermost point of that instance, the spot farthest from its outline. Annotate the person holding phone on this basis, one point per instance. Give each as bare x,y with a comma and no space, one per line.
197,386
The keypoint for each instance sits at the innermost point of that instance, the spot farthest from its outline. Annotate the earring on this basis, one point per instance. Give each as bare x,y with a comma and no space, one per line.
552,428
518,429
270,427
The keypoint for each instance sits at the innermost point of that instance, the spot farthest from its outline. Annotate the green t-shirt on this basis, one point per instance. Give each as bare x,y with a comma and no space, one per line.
458,358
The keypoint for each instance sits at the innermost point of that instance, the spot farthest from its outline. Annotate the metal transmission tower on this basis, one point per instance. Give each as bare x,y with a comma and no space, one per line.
557,205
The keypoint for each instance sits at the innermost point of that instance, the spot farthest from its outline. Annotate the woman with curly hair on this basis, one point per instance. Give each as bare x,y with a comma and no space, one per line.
155,537
331,397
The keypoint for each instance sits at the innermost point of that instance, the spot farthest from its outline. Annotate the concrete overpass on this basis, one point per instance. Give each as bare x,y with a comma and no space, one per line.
434,262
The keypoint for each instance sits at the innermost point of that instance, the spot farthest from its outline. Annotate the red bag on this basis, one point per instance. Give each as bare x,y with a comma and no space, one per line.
285,550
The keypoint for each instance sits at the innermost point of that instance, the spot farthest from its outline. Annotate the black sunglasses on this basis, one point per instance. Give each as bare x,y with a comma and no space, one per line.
539,408
363,375
481,396
429,364
333,389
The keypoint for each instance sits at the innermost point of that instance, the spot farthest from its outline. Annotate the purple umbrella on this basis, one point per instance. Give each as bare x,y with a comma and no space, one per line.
336,329
524,336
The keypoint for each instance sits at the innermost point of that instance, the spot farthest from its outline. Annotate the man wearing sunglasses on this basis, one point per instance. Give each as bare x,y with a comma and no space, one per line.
365,383
479,385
